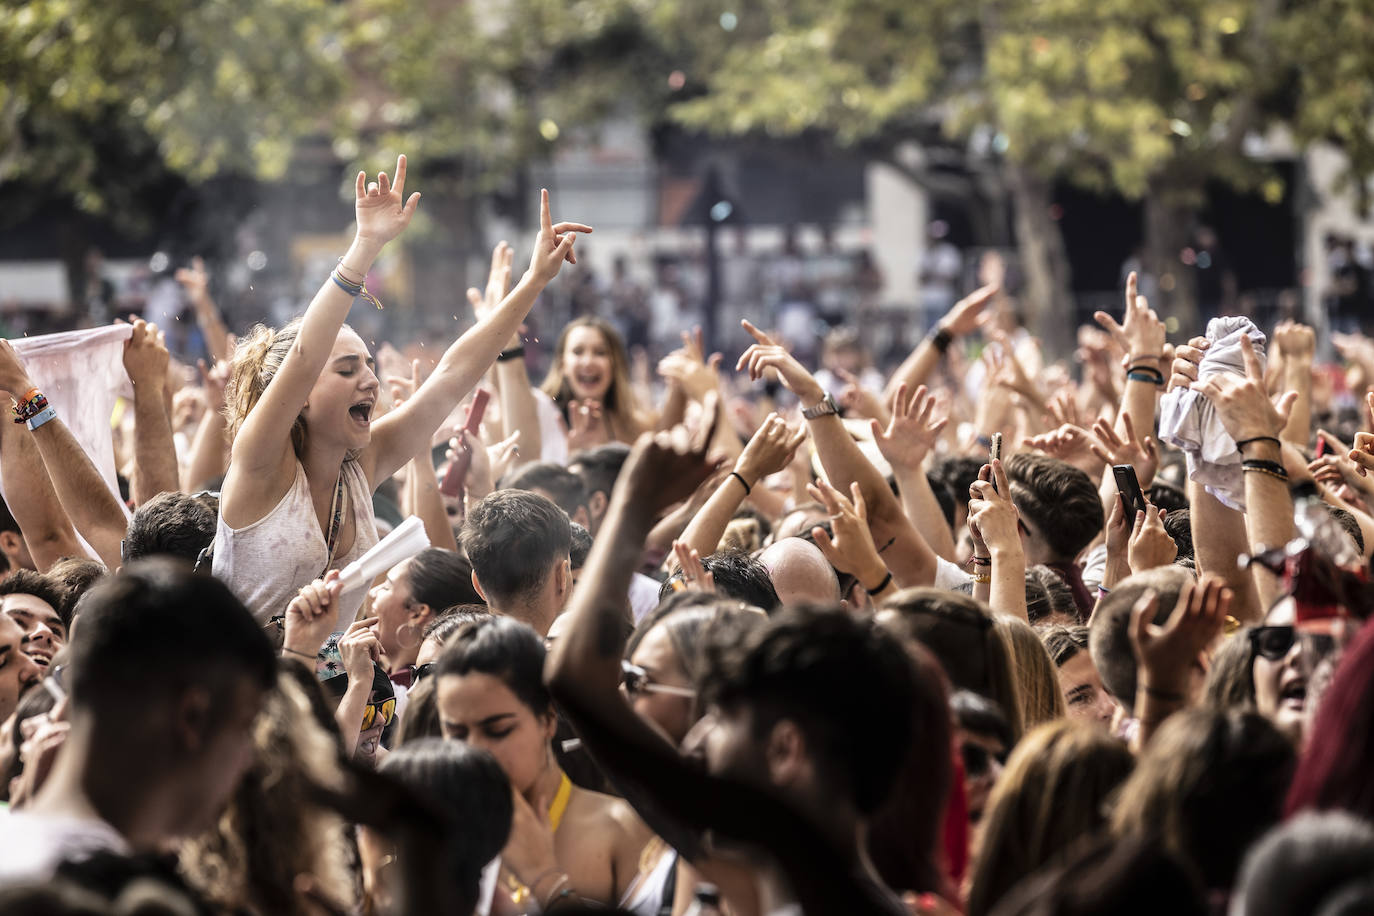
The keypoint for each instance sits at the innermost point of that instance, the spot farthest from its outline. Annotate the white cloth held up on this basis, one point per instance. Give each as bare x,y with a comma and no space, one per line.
1188,421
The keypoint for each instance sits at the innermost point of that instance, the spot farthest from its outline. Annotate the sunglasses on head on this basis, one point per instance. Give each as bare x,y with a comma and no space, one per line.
421,672
387,708
638,681
1274,643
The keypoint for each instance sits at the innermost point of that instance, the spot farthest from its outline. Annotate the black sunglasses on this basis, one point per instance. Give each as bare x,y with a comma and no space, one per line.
1274,643
978,759
421,672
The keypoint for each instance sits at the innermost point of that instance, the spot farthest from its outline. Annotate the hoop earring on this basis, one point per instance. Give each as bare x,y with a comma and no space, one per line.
405,643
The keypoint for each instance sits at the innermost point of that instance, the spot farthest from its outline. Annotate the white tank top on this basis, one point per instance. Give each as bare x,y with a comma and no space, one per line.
266,563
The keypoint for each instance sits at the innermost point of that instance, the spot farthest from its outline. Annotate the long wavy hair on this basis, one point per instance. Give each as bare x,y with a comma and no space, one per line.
270,833
620,405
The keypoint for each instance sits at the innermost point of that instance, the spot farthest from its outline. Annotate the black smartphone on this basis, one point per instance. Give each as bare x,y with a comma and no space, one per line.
994,453
1128,485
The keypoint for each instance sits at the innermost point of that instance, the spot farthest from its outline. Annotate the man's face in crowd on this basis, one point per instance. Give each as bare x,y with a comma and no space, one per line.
17,671
725,742
221,759
43,631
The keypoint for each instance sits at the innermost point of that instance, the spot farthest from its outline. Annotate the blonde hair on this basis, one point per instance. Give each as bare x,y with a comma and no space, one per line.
257,358
1037,681
1054,792
620,405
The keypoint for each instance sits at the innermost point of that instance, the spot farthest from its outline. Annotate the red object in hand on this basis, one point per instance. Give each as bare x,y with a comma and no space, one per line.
454,477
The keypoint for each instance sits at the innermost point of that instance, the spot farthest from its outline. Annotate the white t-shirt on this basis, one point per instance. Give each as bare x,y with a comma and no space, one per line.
33,845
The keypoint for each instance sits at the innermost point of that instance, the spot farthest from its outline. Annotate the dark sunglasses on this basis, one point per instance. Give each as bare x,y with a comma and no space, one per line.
1274,643
421,672
387,709
978,759
638,681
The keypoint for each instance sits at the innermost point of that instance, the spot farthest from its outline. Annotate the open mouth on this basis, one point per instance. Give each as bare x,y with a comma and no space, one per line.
1294,693
362,412
41,657
588,381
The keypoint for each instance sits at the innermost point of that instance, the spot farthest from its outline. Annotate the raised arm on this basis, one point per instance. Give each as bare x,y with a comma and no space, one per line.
1297,344
210,448
519,410
401,433
963,319
905,552
31,499
86,499
155,454
1255,423
911,433
1142,335
196,282
769,450
992,512
263,445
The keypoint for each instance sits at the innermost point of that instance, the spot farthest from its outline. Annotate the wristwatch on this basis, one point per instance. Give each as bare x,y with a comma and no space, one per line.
826,408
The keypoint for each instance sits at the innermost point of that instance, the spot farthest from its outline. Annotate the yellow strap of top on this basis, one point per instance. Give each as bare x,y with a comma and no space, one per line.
560,803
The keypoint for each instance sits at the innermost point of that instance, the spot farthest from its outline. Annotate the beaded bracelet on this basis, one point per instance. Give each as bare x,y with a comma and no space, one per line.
30,406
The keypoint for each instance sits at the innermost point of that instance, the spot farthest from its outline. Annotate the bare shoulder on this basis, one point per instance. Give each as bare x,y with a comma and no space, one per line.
611,817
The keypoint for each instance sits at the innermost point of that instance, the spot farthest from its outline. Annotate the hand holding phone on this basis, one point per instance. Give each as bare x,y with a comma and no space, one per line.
1128,485
452,484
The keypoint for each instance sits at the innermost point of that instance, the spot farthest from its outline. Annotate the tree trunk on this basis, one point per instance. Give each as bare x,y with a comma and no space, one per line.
1047,300
1169,217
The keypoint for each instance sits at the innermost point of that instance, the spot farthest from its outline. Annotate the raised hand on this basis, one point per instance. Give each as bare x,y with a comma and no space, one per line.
359,649
668,466
1111,448
195,281
310,617
694,576
1243,403
1167,653
214,379
967,314
689,367
586,425
1363,452
1186,359
380,206
1150,544
1141,334
14,378
913,430
1295,341
498,282
146,356
554,244
766,353
857,400
991,510
850,549
769,450
1068,443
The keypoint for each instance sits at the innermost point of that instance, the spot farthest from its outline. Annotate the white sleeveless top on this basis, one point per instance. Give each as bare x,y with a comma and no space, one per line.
266,563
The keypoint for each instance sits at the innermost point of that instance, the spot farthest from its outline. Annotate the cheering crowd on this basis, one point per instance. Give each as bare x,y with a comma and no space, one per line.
979,635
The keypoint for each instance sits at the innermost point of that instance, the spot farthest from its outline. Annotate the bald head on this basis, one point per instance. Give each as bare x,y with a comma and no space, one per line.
800,572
